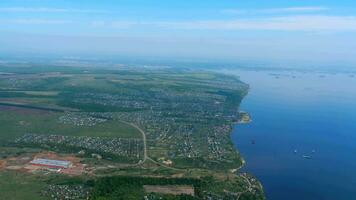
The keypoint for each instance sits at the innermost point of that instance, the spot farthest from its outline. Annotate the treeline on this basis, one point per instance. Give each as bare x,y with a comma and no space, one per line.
201,162
33,107
67,99
127,188
72,149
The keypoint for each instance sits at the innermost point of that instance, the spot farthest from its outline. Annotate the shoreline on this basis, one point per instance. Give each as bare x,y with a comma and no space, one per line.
244,118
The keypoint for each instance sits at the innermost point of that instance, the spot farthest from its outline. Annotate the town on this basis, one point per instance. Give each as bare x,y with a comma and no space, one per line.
109,126
128,148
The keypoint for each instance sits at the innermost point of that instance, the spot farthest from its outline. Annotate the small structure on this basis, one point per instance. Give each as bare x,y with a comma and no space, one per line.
53,164
167,162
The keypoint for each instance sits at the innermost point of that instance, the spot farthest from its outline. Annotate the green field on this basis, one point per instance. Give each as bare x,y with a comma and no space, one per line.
20,186
16,122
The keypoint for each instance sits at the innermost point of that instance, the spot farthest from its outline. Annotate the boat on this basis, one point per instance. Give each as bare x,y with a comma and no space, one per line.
307,157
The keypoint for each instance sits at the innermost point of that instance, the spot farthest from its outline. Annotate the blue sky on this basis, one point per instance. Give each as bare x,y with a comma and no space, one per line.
312,31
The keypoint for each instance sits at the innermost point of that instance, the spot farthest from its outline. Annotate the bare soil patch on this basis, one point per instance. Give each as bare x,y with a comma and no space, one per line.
22,163
170,189
2,164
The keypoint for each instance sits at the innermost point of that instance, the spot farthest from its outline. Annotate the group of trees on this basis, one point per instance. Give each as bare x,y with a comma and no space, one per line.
127,188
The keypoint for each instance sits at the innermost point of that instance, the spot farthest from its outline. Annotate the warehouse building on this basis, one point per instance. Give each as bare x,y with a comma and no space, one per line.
53,164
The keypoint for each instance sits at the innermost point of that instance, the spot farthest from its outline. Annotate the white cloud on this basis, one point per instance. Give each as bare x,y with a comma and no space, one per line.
35,22
49,10
125,24
301,9
98,23
287,23
118,24
311,23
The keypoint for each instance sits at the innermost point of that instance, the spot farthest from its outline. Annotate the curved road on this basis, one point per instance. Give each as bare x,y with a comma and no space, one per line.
145,155
143,138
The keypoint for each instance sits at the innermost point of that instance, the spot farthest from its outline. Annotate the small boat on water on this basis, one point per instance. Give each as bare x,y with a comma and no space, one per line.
307,157
295,151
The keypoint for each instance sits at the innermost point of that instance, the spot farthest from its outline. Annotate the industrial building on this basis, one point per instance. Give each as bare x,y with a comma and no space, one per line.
53,164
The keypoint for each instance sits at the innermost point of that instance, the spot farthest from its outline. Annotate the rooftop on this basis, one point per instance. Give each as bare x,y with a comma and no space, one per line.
52,163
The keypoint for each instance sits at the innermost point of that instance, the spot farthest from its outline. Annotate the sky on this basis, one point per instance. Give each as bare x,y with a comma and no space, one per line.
289,31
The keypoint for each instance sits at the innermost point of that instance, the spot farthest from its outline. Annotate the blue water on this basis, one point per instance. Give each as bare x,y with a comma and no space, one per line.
306,112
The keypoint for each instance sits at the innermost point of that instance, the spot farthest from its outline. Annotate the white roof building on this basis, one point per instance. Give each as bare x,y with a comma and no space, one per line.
60,164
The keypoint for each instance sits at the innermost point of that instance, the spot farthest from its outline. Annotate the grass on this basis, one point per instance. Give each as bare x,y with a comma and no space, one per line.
15,186
19,121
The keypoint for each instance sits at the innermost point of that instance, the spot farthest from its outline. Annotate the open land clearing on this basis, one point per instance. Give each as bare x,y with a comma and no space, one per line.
171,189
23,163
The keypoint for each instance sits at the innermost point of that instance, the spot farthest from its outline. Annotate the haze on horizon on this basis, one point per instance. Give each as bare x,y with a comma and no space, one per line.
295,30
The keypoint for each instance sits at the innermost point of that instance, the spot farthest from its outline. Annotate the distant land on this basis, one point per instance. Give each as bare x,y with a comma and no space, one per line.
166,62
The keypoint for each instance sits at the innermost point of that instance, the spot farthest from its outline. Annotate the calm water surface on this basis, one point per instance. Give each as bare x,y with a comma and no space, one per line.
313,114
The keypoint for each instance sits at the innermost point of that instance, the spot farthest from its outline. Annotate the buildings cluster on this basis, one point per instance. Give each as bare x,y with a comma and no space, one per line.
80,119
194,130
132,148
66,192
114,100
193,116
195,119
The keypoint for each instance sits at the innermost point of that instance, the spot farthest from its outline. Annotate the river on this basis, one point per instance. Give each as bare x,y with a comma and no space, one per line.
301,143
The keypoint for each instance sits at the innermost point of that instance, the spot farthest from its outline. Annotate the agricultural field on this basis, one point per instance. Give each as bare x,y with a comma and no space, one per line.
128,123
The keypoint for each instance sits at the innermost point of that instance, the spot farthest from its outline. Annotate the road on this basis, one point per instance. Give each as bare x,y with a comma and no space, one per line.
145,155
249,189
